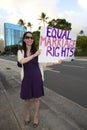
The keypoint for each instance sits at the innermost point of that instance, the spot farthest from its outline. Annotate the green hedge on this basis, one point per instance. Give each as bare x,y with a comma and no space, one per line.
11,49
81,52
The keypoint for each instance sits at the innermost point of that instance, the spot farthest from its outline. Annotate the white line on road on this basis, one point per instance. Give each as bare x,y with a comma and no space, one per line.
54,71
7,60
74,66
83,63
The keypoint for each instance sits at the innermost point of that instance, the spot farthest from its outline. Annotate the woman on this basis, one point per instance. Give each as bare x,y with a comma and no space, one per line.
32,83
32,76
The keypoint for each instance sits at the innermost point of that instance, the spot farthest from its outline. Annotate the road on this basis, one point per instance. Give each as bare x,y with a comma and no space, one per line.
57,112
69,80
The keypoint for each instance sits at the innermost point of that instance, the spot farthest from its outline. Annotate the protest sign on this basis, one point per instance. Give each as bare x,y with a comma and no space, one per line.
56,44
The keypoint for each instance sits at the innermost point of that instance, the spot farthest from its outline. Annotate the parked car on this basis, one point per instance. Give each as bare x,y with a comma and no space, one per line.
69,59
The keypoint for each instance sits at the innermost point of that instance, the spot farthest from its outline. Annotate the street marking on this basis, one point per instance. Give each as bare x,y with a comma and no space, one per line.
54,71
8,60
74,66
83,63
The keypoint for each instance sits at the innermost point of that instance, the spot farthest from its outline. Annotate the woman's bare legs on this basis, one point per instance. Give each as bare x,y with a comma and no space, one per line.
36,112
27,110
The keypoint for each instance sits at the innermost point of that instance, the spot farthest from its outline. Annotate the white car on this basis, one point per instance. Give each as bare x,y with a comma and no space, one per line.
69,59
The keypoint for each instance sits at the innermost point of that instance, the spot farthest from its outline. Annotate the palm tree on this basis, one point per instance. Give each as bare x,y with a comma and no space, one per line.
21,22
39,28
43,18
29,25
81,32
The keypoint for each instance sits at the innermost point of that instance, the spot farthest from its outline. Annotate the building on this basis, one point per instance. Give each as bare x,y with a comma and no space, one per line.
13,34
1,45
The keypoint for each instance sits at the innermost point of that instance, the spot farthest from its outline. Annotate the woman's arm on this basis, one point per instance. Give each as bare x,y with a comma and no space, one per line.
50,64
26,59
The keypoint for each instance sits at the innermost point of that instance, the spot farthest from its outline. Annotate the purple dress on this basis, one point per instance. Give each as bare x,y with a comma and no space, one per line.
32,83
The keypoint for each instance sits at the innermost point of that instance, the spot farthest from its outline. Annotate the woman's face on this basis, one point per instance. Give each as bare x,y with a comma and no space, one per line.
28,39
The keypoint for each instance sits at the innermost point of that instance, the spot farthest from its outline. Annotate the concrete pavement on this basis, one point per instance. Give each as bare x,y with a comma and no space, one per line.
56,111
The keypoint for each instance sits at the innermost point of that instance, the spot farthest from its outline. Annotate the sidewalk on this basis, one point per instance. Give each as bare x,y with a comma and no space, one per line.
12,109
56,112
81,58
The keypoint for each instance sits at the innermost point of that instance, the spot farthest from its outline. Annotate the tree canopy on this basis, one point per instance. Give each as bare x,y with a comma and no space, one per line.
81,45
60,23
43,18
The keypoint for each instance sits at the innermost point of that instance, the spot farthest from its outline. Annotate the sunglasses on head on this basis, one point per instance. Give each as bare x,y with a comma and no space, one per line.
28,37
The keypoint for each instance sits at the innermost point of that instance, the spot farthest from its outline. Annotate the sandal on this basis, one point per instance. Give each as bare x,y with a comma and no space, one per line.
35,125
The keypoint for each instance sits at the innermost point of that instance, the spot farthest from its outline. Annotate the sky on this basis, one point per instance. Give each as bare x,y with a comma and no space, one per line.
74,11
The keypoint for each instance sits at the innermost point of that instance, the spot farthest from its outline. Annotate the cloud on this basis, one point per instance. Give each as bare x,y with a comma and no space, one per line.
29,7
30,10
83,4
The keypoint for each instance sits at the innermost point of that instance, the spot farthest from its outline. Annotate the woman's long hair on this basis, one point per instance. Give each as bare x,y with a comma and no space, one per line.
33,47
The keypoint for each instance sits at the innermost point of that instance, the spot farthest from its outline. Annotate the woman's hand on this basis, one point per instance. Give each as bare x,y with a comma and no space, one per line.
54,63
59,61
38,52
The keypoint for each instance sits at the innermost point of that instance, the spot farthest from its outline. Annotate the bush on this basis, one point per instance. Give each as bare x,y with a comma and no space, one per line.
81,52
11,49
81,46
